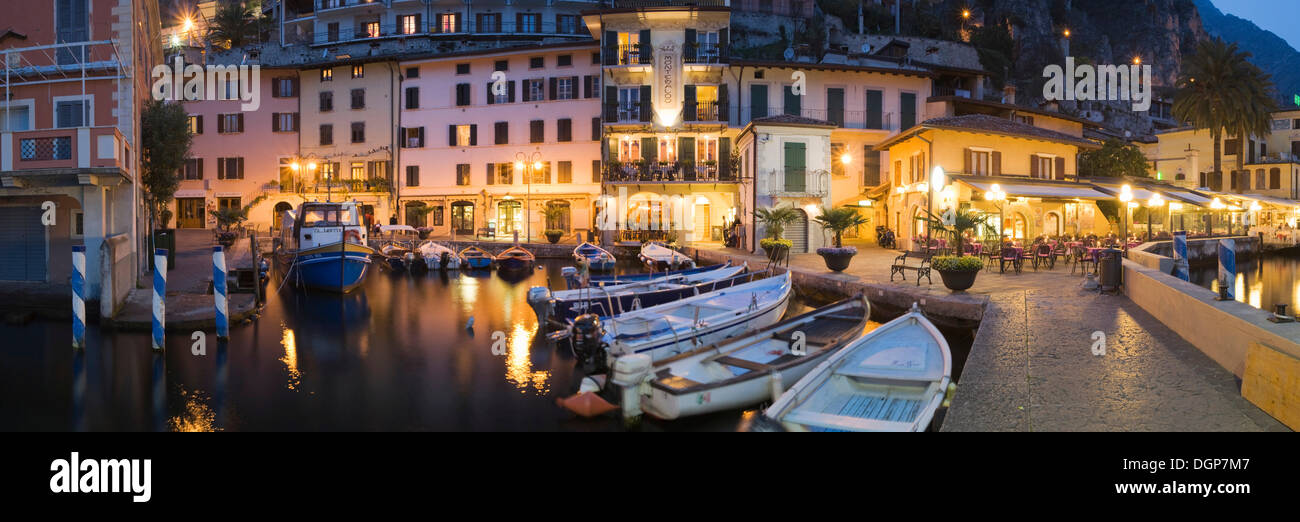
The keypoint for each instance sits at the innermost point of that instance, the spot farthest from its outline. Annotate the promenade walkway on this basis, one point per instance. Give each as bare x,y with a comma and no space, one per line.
189,304
1032,368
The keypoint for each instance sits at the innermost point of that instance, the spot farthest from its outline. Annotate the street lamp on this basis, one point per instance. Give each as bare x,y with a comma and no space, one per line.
1125,197
996,195
1154,203
528,163
937,179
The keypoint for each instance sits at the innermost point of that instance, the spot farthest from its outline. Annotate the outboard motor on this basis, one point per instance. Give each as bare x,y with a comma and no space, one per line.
444,260
588,340
539,298
571,277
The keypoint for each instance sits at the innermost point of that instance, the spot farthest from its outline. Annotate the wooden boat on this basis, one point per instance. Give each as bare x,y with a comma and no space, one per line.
475,257
397,246
598,259
738,372
656,256
570,276
437,256
566,305
892,379
515,259
323,246
669,329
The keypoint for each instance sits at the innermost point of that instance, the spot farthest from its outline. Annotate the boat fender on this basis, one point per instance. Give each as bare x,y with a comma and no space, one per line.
948,394
774,385
469,325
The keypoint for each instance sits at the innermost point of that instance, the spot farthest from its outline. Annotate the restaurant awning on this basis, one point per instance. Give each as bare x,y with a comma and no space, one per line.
1036,189
1269,200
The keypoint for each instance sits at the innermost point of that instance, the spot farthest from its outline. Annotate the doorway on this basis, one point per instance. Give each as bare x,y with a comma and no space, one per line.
189,213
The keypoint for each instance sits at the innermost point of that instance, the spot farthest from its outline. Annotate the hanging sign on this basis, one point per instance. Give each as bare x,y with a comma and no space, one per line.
668,90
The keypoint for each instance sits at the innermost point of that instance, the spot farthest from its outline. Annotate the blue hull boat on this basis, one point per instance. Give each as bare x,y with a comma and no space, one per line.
325,269
475,257
564,306
322,246
598,259
603,280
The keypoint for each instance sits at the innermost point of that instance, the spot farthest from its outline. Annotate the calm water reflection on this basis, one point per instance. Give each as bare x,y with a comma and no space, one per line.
1261,282
396,356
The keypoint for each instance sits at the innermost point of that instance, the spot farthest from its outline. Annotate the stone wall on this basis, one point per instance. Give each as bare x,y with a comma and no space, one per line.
117,273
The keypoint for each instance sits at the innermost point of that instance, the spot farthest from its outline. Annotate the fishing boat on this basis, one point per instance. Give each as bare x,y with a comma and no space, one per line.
323,246
396,248
892,379
740,372
672,328
437,256
570,276
598,259
656,256
562,306
475,257
515,259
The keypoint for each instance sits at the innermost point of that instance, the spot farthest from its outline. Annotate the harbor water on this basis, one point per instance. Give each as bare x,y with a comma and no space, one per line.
398,354
1261,282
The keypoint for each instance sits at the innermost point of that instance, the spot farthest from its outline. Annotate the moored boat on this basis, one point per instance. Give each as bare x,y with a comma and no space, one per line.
475,257
570,276
598,259
892,379
396,246
515,259
656,256
739,372
561,306
322,245
437,256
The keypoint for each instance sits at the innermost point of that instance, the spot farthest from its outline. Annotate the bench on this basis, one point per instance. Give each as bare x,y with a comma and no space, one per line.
922,268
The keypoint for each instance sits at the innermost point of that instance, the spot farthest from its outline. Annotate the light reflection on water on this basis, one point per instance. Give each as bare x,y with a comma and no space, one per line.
1260,283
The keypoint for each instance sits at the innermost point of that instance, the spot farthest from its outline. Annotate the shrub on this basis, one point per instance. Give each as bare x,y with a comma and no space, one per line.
769,243
832,251
554,232
959,263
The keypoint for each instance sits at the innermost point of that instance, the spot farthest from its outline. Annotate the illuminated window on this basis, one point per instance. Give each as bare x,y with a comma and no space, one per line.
372,30
408,24
667,148
629,149
358,71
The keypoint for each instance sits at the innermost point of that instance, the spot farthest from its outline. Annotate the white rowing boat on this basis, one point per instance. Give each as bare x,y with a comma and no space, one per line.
892,379
739,372
437,256
659,257
669,329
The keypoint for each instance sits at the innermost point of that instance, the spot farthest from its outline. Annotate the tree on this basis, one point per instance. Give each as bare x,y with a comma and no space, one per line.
164,144
233,25
839,220
1220,90
776,218
963,220
1115,158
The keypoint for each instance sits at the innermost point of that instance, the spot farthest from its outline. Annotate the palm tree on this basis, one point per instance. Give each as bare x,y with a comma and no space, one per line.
233,25
962,220
839,220
776,218
1220,90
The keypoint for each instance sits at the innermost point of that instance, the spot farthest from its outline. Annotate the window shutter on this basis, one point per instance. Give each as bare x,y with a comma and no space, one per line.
241,167
240,122
221,168
198,124
690,39
724,158
595,129
723,36
510,95
200,162
644,39
595,171
965,162
1033,165
491,170
611,103
293,87
490,98
723,104
586,86
646,107
688,103
648,150
421,134
221,124
297,122
610,47
473,134
1060,167
554,88
997,163
451,135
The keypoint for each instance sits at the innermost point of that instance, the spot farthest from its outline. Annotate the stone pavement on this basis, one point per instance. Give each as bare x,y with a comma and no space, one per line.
189,304
1031,366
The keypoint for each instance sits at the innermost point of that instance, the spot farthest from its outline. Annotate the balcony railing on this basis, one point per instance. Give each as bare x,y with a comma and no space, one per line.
373,31
632,54
635,4
309,186
705,53
76,147
867,120
795,183
666,172
704,111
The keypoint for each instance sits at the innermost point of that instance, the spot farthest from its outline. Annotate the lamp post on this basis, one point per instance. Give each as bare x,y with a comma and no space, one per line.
996,195
937,180
1155,202
1125,197
528,163
1216,204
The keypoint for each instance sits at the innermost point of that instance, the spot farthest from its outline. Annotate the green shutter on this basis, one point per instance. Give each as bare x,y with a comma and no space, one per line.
875,110
795,167
757,101
791,105
907,110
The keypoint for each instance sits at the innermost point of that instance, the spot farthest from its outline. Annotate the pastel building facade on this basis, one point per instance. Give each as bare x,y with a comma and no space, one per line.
76,78
490,157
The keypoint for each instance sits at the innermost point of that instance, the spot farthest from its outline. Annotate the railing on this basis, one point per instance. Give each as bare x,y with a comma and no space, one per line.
75,147
631,54
704,111
299,186
633,4
433,28
629,113
706,53
866,120
800,183
951,91
666,171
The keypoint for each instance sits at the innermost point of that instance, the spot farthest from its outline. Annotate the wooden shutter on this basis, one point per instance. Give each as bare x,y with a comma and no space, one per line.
1060,167
221,124
875,112
757,101
965,162
240,119
646,106
688,105
240,162
198,124
221,168
649,150
510,92
596,130
586,86
997,163
610,47
724,158
1033,165
275,122
491,170
553,88
611,103
421,134
491,99
723,104
473,134
451,135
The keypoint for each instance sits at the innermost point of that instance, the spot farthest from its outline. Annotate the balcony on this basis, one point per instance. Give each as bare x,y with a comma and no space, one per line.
709,111
375,31
795,183
667,172
317,186
70,148
634,54
637,4
705,54
863,120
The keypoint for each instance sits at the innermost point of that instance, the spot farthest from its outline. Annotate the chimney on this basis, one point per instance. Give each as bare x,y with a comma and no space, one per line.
1009,95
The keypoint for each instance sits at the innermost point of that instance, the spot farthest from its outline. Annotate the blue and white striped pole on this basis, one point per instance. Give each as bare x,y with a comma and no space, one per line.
79,296
1180,256
1227,268
159,293
219,291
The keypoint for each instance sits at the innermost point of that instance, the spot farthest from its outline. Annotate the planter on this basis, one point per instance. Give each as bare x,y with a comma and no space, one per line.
553,237
958,280
837,259
226,239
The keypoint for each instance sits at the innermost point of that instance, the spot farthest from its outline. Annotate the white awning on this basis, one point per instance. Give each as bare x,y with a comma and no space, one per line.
190,193
1040,190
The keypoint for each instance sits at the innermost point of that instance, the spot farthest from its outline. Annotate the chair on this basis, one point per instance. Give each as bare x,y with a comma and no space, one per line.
1043,256
1010,255
1083,258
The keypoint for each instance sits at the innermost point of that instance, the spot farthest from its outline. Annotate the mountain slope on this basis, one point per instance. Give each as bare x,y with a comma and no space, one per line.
1270,53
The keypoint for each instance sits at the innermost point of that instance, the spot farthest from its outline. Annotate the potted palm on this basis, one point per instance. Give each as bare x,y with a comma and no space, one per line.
957,271
838,220
776,218
553,214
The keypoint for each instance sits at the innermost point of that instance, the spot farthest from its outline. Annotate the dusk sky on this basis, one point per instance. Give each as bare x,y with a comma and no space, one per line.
1278,16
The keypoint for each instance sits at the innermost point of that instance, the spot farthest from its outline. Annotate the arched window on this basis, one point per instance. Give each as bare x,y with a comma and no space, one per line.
278,213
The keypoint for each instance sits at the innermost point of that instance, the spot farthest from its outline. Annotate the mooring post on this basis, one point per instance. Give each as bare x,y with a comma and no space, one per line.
78,296
159,293
219,291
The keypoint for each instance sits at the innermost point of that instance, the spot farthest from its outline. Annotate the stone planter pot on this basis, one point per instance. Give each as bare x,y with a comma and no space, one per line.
837,262
554,238
958,280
